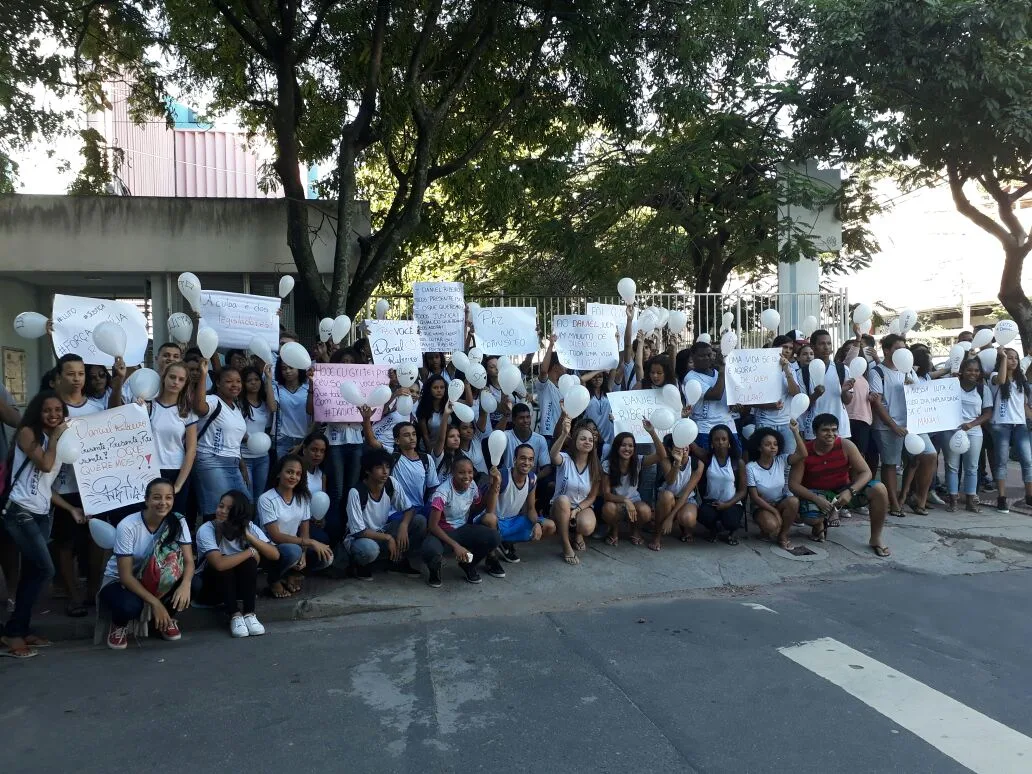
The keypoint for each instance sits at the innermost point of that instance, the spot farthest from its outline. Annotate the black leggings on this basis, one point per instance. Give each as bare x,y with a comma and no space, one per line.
238,583
729,519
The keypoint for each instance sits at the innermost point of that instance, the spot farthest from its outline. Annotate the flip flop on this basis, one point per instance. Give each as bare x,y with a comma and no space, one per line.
637,540
10,651
572,559
898,513
34,641
881,551
612,540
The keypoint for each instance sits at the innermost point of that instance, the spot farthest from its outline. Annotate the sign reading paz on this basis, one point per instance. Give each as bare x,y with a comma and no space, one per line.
933,406
117,460
629,407
75,317
585,343
328,403
506,330
237,318
440,310
394,342
753,376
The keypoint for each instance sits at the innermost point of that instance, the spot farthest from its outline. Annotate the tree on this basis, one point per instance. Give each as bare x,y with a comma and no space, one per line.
931,89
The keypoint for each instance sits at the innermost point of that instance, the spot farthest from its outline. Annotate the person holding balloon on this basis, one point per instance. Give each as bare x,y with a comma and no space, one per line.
174,426
621,474
775,510
510,503
293,415
963,448
704,392
578,478
218,467
549,396
1011,397
778,415
676,500
257,405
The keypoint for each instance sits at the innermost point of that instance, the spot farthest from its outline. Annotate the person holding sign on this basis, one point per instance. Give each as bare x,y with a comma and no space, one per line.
219,467
976,409
676,500
1011,395
620,477
711,409
577,481
775,510
778,415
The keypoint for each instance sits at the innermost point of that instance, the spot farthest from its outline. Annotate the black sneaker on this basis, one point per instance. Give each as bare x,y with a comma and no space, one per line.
507,553
1001,505
434,579
406,569
363,573
472,576
493,567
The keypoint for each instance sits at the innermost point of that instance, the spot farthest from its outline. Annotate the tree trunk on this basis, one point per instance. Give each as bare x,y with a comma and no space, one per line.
1012,295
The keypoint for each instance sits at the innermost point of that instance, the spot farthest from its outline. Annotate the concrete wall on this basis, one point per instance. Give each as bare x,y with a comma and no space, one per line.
153,234
16,297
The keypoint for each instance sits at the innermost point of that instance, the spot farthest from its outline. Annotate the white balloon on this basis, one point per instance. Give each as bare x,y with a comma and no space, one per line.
319,506
627,290
728,343
692,392
350,392
894,326
727,319
456,389
862,312
497,443
341,327
258,347
567,382
145,383
31,325
987,357
817,372
463,412
325,329
576,401
647,323
381,309
705,338
864,325
1005,332
509,378
1025,362
190,287
407,374
808,325
477,376
110,339
460,361
103,534
488,402
957,354
678,322
475,355
259,443
907,320
404,405
671,398
959,442
770,319
474,309
914,444
379,396
208,342
748,431
286,284
685,431
903,360
295,356
662,418
798,405
662,315
68,448
857,367
180,327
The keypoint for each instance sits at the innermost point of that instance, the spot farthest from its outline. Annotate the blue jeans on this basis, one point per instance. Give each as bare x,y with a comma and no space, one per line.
214,476
966,462
31,533
1003,437
125,606
365,551
258,473
342,470
284,444
290,555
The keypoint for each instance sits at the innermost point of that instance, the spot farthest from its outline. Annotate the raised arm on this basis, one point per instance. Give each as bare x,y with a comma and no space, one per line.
200,398
800,450
546,361
556,452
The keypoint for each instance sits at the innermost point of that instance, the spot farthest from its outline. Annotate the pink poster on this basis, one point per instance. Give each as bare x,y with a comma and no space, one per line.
329,405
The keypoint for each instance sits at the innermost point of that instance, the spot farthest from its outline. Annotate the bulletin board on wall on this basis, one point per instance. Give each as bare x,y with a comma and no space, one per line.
15,365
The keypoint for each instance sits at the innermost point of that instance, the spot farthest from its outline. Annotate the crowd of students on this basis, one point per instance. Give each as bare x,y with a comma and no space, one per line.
417,489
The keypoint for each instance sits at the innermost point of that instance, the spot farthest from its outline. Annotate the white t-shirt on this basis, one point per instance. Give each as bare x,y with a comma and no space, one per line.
574,483
548,406
169,430
258,422
475,454
376,512
972,404
133,538
455,506
288,516
542,456
512,498
206,543
707,414
414,479
626,488
292,416
316,481
831,401
31,490
769,483
720,480
65,482
684,475
598,411
1012,410
384,430
888,382
225,432
345,433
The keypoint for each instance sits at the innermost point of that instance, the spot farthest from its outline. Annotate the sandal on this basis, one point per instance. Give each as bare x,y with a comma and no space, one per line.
35,641
687,537
819,533
898,513
973,504
881,551
580,545
572,559
76,610
730,539
655,545
919,510
637,540
612,540
785,545
282,593
16,651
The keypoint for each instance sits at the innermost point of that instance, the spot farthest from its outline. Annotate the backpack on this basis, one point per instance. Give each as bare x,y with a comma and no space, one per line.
160,574
423,457
7,480
363,492
211,418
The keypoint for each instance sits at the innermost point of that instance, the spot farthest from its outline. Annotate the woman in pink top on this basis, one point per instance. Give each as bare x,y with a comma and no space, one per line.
859,408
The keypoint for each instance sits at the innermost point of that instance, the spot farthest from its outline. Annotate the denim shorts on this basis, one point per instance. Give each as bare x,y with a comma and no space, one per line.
890,446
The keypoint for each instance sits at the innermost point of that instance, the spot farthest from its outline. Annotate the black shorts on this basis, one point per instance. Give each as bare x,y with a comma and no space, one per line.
64,529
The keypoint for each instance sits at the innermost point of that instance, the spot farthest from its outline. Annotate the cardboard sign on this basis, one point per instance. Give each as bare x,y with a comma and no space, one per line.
933,406
237,318
440,310
394,342
329,405
585,343
75,317
753,376
615,314
629,407
506,330
117,460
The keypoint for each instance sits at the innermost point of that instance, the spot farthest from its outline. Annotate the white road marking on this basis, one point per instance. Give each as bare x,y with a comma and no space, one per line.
969,737
756,606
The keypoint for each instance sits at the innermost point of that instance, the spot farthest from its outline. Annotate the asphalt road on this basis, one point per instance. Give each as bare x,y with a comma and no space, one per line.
671,685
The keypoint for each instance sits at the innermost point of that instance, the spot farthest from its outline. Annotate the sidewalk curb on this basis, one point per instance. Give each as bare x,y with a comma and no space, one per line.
1021,546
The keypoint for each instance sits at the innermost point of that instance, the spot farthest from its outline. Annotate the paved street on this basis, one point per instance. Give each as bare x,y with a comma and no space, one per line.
687,684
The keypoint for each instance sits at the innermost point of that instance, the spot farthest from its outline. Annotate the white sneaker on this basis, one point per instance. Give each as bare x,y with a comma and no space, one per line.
237,627
254,626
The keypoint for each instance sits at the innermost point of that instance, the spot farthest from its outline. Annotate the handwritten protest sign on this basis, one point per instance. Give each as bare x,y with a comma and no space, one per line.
585,343
329,405
616,314
933,406
440,310
237,318
753,376
629,407
75,317
506,330
394,342
117,460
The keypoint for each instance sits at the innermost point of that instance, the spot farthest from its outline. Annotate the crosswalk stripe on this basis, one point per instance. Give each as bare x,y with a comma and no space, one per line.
969,737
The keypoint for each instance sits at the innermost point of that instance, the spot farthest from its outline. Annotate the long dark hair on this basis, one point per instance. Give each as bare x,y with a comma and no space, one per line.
734,452
302,375
301,489
614,462
757,440
426,407
668,371
312,437
1016,377
240,515
922,360
172,518
32,418
243,401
